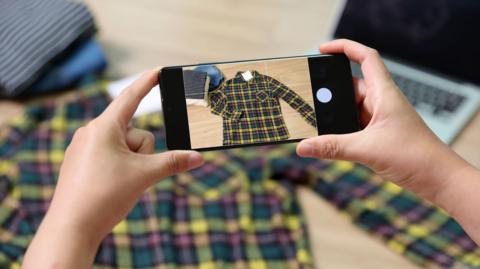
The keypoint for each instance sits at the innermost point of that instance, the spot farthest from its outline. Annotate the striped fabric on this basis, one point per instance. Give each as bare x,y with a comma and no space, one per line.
251,109
239,210
34,33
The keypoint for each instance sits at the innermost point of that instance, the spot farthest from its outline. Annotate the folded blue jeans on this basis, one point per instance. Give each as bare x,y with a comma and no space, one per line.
87,59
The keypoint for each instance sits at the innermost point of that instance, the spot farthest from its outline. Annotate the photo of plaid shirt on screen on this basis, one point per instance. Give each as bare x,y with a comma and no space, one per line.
251,109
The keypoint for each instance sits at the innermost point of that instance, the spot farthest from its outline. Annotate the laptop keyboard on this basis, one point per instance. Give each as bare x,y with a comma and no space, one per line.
425,97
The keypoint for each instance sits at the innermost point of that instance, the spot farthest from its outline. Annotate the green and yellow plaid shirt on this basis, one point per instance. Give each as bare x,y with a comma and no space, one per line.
239,210
251,109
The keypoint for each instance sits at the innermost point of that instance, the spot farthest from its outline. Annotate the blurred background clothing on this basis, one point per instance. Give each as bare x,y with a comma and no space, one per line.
239,210
81,66
45,46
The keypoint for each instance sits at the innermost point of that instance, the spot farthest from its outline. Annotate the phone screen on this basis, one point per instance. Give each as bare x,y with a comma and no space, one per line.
249,102
261,101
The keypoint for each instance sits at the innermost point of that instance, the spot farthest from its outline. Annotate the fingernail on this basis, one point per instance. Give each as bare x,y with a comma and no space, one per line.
195,159
306,149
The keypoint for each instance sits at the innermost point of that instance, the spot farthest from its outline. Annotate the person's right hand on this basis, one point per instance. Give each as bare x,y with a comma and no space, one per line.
394,142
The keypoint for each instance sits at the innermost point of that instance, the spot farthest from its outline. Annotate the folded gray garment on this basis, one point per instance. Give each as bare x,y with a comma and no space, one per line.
195,84
34,33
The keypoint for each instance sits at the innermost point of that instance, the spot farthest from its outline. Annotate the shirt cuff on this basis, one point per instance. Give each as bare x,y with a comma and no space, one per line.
311,118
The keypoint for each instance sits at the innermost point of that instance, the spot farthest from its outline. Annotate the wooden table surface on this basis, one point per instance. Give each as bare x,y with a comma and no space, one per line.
138,35
206,128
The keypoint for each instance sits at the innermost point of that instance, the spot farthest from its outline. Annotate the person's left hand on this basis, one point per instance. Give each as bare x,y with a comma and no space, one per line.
106,168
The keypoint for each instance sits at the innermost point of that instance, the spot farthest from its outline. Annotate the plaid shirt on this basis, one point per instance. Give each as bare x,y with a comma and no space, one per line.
239,210
251,110
223,215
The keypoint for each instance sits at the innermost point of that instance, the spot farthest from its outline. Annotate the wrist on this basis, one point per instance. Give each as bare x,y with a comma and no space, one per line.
58,245
89,236
445,176
457,190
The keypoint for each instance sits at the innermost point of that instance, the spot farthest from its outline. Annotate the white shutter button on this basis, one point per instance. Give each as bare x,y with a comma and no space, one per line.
324,95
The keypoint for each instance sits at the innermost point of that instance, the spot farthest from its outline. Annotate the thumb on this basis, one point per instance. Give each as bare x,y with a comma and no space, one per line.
140,141
165,164
336,147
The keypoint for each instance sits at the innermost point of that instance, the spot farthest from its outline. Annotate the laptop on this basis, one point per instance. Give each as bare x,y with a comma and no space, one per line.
432,50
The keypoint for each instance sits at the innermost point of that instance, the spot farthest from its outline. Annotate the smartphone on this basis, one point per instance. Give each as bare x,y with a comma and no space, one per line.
257,102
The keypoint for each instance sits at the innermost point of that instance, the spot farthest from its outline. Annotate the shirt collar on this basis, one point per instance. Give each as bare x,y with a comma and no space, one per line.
254,74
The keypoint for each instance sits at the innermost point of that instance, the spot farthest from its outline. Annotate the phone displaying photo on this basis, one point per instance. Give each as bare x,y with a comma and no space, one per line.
257,102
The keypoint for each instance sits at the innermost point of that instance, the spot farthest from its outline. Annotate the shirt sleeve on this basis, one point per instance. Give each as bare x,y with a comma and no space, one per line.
219,104
294,100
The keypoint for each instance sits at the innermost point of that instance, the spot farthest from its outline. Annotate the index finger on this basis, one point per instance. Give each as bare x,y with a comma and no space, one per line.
373,68
123,107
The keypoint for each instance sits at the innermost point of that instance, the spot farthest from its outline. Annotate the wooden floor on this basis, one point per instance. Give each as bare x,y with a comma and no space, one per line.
206,129
139,35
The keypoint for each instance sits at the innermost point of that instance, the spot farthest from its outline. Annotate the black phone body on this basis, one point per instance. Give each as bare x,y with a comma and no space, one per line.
257,102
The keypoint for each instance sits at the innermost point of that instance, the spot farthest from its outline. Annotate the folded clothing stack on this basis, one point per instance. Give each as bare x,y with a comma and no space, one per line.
46,45
196,87
195,84
199,82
